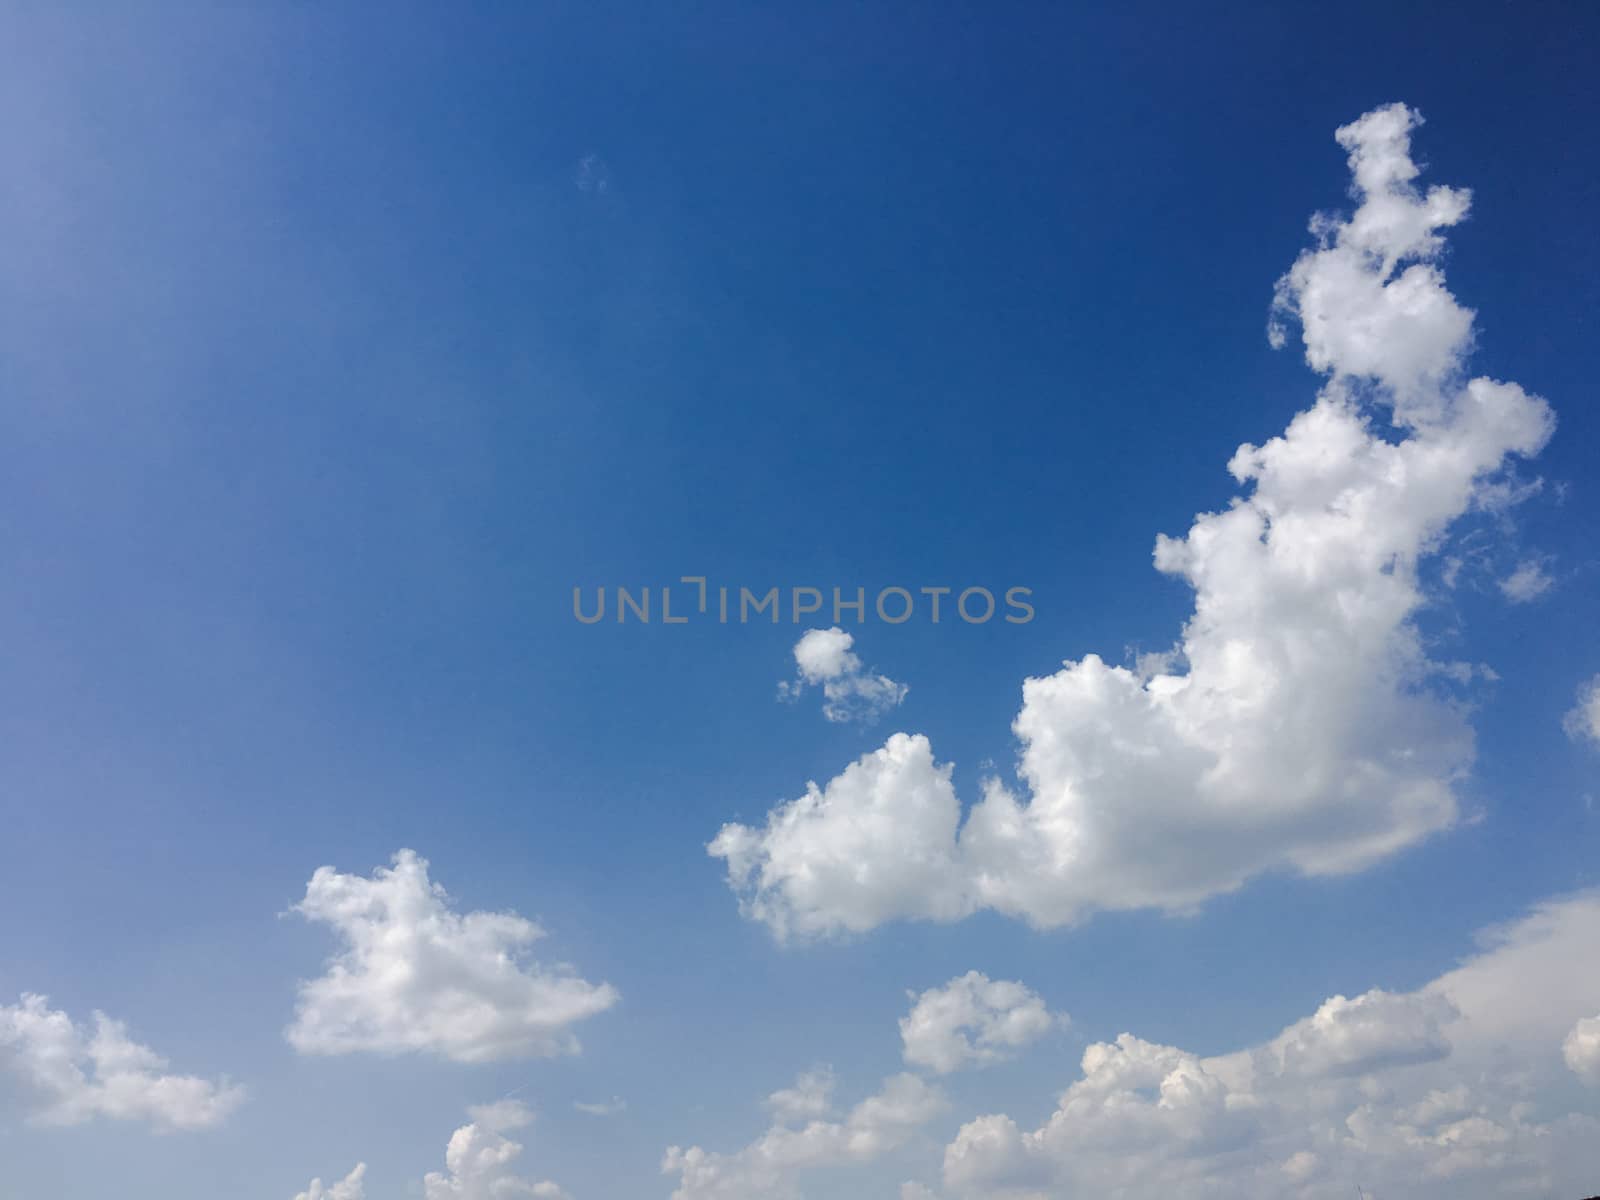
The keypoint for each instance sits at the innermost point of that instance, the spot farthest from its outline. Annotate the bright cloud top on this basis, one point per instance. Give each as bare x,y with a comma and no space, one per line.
78,1074
480,1160
416,976
1434,1093
973,1021
801,1139
1581,1050
1295,725
850,692
480,1163
1584,719
351,1187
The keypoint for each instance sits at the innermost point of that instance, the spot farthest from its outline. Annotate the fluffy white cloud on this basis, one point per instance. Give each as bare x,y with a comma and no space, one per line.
801,1140
1297,724
973,1021
350,1187
1446,1091
850,692
480,1161
1527,583
1581,1050
1584,719
415,975
1353,1037
878,842
78,1074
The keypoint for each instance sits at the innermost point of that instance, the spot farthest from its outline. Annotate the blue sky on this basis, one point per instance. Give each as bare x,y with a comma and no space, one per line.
337,348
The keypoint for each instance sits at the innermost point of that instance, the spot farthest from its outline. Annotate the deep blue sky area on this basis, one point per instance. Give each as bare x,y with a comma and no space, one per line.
338,344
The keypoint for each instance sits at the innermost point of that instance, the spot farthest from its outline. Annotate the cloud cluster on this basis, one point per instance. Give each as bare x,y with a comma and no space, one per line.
973,1021
351,1187
78,1074
480,1163
850,692
1296,725
802,1139
1452,1090
1440,1092
416,976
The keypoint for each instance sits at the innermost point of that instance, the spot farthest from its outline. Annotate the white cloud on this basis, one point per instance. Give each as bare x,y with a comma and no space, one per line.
78,1074
850,692
414,975
801,1140
810,1099
973,1021
1352,1037
878,842
1447,1091
602,1108
1303,733
350,1187
1580,1049
1527,583
1584,719
480,1161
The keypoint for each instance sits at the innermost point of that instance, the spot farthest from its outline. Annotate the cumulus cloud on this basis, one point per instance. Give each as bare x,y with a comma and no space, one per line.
1297,726
350,1187
1581,1050
801,1140
416,976
1352,1037
1446,1091
878,842
1584,719
973,1021
1527,583
77,1073
480,1161
850,692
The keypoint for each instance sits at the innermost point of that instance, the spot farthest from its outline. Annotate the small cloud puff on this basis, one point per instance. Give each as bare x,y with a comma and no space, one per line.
973,1021
1527,583
850,692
